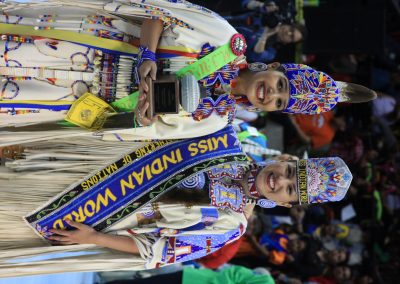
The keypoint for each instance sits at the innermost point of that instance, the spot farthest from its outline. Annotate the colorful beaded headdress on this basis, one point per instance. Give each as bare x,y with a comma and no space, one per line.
322,180
311,91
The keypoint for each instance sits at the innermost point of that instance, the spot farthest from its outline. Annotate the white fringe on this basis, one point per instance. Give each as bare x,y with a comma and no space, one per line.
8,138
48,168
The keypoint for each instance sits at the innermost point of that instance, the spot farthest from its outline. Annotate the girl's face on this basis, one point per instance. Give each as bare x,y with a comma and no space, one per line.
278,182
267,90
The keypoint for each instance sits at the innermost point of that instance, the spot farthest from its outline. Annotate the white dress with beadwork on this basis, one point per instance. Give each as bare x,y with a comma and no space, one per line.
44,173
35,68
58,70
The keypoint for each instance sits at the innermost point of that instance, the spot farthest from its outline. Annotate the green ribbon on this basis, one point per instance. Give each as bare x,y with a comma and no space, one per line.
209,63
246,134
126,104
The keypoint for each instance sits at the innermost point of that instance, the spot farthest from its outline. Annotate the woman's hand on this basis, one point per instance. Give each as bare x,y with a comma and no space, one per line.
140,113
249,208
271,7
150,33
82,234
87,235
148,68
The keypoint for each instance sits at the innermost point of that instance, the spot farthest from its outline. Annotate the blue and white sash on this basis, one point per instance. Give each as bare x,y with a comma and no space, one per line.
109,195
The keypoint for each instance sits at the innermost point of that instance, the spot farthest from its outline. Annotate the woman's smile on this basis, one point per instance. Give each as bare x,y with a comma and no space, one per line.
260,92
271,181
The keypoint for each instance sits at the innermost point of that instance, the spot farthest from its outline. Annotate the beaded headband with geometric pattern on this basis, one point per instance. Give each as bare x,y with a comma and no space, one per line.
322,180
311,91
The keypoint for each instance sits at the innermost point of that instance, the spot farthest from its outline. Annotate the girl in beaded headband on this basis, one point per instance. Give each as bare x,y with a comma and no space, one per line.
175,34
292,182
291,88
280,182
275,182
231,187
305,181
295,88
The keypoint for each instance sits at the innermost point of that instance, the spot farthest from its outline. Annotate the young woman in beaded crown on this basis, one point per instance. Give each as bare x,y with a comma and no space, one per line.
203,213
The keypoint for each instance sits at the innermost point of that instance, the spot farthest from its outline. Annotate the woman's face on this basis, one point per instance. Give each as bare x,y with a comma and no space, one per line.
278,182
289,34
267,90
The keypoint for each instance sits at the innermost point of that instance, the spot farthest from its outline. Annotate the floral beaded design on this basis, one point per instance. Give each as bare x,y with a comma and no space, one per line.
43,231
328,179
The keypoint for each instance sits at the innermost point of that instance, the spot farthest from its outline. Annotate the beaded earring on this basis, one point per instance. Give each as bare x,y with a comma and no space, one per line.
266,203
257,66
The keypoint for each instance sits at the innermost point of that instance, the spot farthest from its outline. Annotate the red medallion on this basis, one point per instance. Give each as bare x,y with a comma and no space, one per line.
238,44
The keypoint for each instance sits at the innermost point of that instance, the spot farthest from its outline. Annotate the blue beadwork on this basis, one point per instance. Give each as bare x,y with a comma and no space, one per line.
195,182
144,54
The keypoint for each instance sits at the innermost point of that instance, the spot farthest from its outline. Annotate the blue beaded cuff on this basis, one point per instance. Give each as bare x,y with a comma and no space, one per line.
144,54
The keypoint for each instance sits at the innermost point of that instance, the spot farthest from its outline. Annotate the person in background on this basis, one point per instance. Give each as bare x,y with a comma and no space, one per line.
336,275
318,130
344,233
231,275
264,43
316,260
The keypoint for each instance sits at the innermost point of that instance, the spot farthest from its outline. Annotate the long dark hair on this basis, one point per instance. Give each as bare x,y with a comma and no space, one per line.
186,196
